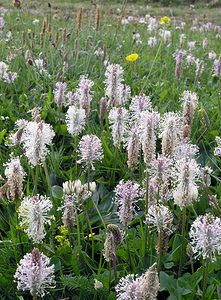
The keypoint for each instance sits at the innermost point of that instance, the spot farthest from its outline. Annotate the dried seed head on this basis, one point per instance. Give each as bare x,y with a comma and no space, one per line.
56,39
109,248
103,108
79,19
113,240
69,213
97,19
116,232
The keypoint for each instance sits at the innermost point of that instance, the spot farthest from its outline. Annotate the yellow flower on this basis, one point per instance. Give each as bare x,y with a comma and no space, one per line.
165,20
62,240
132,57
87,237
63,230
29,30
59,238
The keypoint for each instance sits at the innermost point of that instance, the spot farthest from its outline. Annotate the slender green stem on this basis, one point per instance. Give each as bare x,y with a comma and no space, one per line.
205,276
153,63
115,268
142,235
153,242
194,211
35,189
76,160
95,295
78,229
100,263
147,189
100,216
146,236
128,249
191,264
183,225
159,248
19,237
47,178
95,205
91,233
109,265
35,296
88,177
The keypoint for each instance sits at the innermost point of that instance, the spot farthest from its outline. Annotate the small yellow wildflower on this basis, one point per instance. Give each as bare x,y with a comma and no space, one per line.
62,240
132,57
29,30
63,230
165,21
59,238
87,237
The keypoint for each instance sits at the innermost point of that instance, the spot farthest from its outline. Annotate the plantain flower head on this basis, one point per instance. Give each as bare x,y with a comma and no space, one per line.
34,273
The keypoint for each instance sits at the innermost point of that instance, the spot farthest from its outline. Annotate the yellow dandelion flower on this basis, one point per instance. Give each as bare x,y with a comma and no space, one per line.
132,57
165,21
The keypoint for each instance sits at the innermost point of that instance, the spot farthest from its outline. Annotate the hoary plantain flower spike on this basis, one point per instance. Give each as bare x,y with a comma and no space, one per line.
126,195
118,119
75,119
205,234
160,218
34,274
59,93
90,150
14,172
187,174
84,94
190,101
148,125
133,148
170,132
34,214
149,284
144,287
113,83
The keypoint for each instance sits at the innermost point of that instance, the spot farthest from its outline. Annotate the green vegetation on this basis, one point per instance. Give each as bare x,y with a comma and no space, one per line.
66,39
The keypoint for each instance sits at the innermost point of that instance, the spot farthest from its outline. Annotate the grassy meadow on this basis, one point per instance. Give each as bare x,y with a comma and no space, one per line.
110,156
